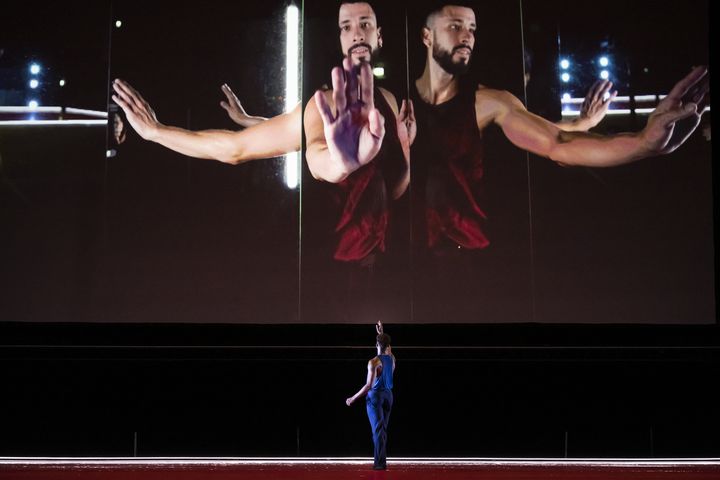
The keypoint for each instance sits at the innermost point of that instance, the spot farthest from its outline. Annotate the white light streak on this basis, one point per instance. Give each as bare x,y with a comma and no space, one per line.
292,85
89,113
30,109
51,122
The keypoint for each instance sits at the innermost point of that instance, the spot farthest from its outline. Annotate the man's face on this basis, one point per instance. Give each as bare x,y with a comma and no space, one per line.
360,37
453,38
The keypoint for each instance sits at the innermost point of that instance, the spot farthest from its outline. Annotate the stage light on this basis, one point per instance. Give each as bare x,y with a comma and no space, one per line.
34,83
606,95
604,74
118,23
565,77
564,63
62,82
604,61
292,85
33,104
379,72
566,96
34,68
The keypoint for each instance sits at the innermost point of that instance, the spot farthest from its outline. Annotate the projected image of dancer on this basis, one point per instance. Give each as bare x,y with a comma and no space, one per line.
452,115
379,400
357,135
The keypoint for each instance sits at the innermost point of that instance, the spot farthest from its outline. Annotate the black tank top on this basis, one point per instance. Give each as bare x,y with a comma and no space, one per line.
447,173
363,197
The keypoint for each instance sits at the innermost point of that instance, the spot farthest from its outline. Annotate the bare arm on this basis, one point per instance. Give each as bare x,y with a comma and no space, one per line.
271,138
346,133
371,375
672,122
380,329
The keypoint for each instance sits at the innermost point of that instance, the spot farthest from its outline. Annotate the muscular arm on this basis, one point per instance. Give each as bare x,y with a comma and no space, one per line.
668,127
276,136
371,375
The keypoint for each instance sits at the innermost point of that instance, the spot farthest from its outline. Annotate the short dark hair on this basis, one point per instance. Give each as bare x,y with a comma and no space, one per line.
377,9
369,2
383,340
434,7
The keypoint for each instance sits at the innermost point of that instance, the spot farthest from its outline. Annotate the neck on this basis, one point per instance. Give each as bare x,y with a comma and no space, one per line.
436,86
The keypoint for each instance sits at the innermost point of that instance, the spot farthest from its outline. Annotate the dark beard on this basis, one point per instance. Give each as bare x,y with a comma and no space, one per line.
444,59
374,52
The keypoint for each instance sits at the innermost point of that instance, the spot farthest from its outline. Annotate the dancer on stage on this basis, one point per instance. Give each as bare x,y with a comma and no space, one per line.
379,400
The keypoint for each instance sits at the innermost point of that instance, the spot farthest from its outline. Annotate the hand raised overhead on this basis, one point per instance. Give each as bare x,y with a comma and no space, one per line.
355,130
678,114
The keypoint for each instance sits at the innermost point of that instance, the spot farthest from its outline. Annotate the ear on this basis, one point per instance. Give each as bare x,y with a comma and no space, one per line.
380,38
427,37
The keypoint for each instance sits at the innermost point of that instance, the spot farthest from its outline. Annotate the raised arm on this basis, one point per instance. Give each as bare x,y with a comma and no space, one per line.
371,375
276,136
672,122
344,130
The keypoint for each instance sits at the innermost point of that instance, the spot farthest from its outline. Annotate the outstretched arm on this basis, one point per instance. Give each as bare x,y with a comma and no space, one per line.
235,110
346,134
371,368
672,122
593,110
268,139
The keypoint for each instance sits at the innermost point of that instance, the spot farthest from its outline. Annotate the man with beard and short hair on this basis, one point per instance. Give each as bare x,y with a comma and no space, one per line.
358,140
341,144
451,116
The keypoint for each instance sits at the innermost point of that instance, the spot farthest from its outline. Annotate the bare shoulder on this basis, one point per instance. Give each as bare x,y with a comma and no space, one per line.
390,99
375,361
492,104
311,110
497,97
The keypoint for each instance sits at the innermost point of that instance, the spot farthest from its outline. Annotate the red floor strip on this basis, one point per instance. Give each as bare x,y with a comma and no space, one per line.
28,469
